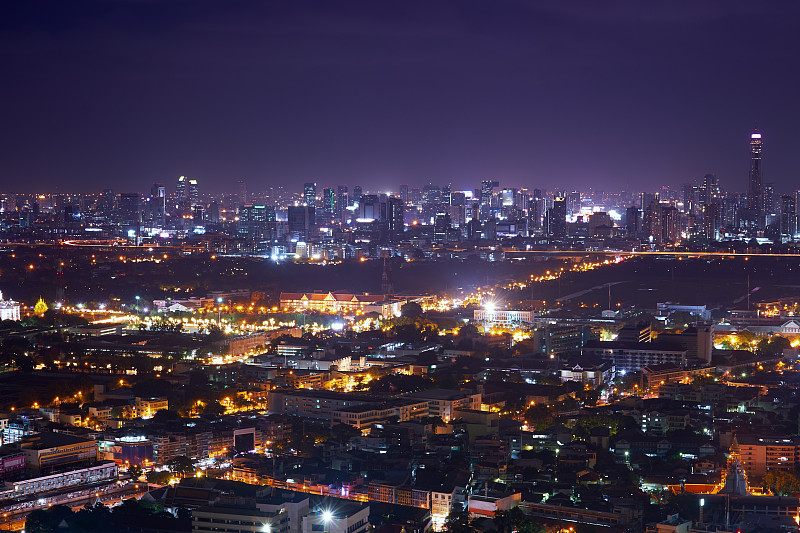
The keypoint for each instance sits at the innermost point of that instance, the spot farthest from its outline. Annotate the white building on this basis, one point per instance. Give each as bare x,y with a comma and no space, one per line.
492,317
9,309
338,518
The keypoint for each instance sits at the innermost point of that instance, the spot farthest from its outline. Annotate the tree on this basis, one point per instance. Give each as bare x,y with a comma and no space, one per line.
680,319
165,415
781,483
181,465
458,521
214,408
158,478
468,330
411,310
38,521
343,432
135,471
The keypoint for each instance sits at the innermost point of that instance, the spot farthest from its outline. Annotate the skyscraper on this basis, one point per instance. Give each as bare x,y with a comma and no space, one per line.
310,194
180,193
755,193
242,184
158,205
396,222
404,195
557,218
193,193
342,200
788,218
328,201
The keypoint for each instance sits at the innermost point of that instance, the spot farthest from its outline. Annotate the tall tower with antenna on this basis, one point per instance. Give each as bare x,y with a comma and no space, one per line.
755,191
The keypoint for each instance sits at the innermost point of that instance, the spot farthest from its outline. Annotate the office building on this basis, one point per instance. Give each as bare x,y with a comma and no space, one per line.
310,194
405,196
49,450
557,218
301,220
337,517
788,217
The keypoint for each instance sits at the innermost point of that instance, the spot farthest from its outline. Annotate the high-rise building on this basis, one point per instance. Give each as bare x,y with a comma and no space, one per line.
256,222
441,227
329,201
301,221
129,209
180,191
573,202
458,198
486,193
712,221
557,218
404,194
431,194
342,200
396,221
446,194
357,192
186,194
487,188
633,221
158,205
769,200
788,217
242,185
670,224
755,192
310,194
193,193
652,223
797,201
508,197
107,203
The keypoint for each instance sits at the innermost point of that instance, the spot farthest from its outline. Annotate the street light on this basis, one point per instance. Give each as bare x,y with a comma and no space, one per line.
219,311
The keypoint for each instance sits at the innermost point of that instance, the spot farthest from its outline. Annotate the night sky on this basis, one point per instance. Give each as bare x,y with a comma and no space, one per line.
610,95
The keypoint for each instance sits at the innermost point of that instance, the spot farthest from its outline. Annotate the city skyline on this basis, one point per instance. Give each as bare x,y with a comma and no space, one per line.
628,96
309,191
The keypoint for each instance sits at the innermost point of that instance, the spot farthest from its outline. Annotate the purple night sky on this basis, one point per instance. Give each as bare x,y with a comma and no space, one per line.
611,95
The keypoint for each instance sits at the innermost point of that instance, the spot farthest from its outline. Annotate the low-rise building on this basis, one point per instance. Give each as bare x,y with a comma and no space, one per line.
337,518
758,454
632,356
443,402
147,407
48,450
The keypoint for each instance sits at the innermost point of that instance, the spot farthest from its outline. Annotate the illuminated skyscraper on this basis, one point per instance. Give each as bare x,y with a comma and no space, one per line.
342,200
557,218
788,218
193,193
404,195
310,194
180,192
328,202
755,193
158,205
